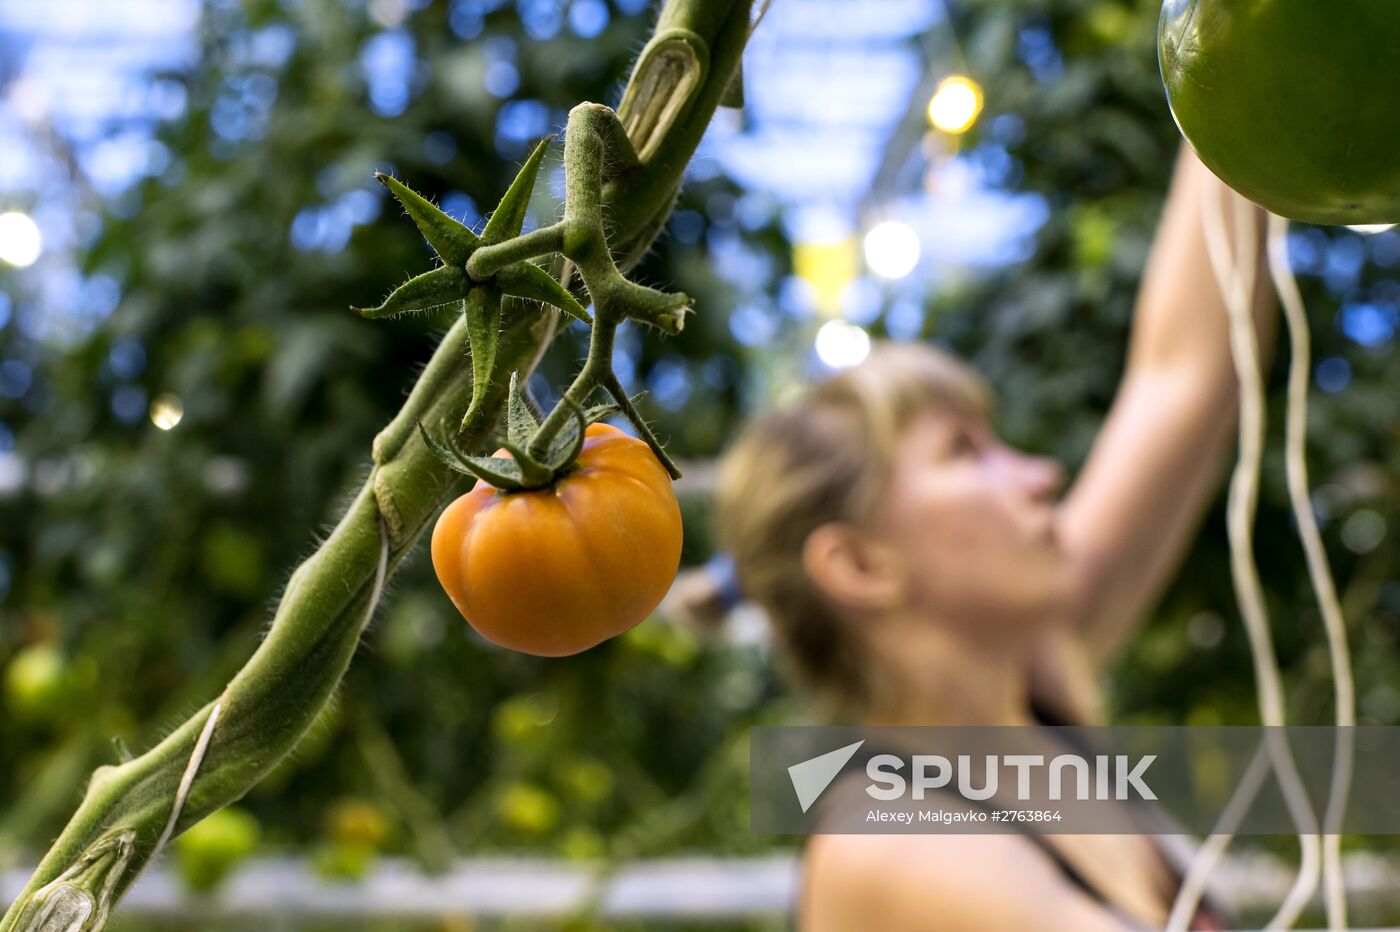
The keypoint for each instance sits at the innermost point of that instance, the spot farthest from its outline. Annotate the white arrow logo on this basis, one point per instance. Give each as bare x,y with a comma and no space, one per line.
811,777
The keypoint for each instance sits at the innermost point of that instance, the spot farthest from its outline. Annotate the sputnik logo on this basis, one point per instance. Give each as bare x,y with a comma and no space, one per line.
811,777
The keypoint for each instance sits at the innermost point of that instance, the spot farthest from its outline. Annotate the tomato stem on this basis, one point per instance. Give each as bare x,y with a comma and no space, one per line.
590,377
486,261
594,140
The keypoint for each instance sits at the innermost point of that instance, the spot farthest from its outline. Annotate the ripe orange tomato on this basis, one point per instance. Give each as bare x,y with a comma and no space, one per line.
556,571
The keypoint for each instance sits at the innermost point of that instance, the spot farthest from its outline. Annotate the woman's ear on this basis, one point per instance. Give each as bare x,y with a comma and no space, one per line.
852,569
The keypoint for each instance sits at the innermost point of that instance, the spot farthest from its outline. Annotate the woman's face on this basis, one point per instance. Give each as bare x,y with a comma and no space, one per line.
974,523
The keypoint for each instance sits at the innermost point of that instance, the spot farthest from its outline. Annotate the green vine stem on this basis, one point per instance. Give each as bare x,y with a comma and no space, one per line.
596,147
221,752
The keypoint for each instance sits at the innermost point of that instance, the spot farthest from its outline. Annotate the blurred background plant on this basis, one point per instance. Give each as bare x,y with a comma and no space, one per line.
189,210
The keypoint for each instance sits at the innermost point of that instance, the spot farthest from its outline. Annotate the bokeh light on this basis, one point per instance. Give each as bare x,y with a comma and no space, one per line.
1333,374
841,344
1363,531
955,105
21,243
891,249
828,266
167,411
1370,229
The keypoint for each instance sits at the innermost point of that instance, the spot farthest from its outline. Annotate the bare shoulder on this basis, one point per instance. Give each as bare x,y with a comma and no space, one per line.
911,883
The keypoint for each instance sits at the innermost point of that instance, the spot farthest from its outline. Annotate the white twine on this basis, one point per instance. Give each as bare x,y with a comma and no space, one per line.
1334,625
1235,277
1193,885
201,747
380,572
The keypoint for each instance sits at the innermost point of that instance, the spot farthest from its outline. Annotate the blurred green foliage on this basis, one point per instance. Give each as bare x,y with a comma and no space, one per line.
144,562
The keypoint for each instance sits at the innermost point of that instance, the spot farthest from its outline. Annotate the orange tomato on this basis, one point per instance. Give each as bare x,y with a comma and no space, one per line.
556,571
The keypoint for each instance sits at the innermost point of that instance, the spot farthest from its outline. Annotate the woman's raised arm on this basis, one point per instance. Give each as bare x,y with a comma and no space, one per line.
1155,465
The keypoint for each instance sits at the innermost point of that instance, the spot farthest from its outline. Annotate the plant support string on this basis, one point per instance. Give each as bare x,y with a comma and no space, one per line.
1319,572
1235,279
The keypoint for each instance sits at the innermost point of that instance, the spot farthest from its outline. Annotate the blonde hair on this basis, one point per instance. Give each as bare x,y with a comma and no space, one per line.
826,459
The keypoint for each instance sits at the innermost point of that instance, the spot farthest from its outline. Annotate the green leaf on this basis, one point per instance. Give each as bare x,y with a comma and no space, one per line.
601,412
529,281
520,420
533,473
499,471
438,288
567,446
450,239
446,452
483,331
614,388
510,213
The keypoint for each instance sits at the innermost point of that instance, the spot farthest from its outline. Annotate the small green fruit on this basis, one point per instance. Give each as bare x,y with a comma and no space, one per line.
344,861
528,809
36,683
206,853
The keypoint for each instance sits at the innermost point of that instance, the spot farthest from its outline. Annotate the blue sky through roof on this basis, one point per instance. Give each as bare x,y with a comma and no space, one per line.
827,82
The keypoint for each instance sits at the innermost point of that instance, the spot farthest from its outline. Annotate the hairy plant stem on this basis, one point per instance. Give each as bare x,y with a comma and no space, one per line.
272,701
595,146
594,142
488,260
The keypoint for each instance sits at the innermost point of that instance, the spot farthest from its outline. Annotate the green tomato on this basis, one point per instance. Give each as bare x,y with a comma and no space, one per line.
344,860
1109,24
582,844
358,822
586,779
208,850
524,720
671,644
36,683
1293,103
528,809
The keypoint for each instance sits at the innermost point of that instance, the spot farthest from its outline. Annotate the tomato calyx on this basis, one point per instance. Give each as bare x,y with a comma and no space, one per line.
523,470
455,244
479,272
479,296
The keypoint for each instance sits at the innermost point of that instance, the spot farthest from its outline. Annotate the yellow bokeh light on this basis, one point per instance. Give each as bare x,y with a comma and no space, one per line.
20,240
828,266
955,105
166,411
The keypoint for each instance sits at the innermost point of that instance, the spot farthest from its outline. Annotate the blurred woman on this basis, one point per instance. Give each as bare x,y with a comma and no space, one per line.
919,571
